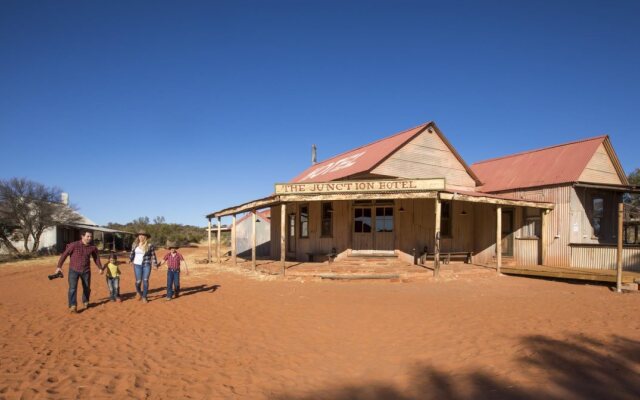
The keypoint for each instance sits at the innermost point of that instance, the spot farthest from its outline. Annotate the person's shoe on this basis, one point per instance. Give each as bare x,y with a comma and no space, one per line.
86,305
138,297
118,299
73,309
167,298
144,300
177,295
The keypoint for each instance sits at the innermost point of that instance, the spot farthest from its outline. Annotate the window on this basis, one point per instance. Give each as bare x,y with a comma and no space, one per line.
384,219
362,220
327,220
445,219
291,238
597,214
304,221
532,223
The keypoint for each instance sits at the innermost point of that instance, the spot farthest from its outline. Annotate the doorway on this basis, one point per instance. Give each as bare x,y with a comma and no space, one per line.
373,227
507,232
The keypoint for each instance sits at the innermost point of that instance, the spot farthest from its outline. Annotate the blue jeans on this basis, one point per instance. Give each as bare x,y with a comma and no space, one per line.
173,280
142,277
85,279
114,287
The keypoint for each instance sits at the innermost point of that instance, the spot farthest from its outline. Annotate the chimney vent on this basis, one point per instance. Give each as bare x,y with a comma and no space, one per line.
313,154
64,198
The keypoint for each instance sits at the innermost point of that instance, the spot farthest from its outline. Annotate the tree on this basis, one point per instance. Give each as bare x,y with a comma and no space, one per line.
634,180
27,209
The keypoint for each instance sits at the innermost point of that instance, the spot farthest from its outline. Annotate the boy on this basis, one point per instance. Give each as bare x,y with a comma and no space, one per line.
113,278
173,259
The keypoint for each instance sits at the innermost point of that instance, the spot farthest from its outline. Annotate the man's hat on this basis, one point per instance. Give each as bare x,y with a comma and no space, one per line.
143,232
172,245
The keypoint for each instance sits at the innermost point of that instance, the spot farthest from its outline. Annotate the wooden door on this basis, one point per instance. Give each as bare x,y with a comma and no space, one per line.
383,227
507,232
362,228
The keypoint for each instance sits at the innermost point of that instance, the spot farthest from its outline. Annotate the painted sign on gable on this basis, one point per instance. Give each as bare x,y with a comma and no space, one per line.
334,166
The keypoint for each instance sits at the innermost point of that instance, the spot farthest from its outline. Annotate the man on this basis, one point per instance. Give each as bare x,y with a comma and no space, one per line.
81,253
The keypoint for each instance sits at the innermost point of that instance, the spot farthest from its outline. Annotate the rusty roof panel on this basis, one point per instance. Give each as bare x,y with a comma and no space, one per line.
359,160
548,166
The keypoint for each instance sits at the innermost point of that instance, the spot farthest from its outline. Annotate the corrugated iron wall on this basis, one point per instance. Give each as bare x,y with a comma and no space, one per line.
527,251
558,252
484,233
604,257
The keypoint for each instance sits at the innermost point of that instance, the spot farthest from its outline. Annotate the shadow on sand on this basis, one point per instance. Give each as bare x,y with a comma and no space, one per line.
580,368
184,291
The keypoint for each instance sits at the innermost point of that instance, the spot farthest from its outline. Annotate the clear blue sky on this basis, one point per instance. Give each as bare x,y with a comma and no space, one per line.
180,108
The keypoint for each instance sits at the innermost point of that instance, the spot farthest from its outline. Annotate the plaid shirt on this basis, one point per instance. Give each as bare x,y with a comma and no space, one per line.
80,256
148,256
173,262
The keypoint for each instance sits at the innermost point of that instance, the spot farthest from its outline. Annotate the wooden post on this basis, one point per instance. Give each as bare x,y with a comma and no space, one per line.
253,239
209,238
218,248
283,236
544,246
499,238
619,254
436,248
233,240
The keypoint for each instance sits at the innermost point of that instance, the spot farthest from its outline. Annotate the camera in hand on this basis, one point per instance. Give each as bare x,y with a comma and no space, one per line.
56,275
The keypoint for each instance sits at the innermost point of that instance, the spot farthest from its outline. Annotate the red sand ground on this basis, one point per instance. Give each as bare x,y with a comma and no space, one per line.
490,337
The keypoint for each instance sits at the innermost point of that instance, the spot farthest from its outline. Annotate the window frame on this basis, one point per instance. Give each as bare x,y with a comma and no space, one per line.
531,215
301,223
385,218
323,218
449,219
362,224
592,214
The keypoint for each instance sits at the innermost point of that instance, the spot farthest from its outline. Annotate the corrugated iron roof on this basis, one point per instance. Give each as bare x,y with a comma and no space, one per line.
359,160
553,165
263,215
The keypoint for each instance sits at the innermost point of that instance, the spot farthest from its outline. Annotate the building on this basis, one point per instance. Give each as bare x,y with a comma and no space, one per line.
55,239
263,234
412,194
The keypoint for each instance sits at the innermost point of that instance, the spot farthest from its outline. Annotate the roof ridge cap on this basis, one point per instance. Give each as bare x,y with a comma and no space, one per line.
539,149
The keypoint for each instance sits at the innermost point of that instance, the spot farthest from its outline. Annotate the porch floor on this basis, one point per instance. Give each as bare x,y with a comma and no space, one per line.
353,268
582,274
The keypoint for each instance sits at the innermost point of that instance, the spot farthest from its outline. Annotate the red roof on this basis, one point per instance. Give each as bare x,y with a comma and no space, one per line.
359,160
265,215
562,163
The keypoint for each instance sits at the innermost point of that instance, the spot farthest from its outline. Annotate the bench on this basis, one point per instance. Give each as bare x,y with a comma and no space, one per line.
456,254
319,256
445,256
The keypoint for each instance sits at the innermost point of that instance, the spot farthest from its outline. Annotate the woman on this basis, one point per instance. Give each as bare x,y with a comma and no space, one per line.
143,254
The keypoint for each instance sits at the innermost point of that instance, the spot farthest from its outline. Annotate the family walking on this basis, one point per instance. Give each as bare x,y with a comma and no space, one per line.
142,257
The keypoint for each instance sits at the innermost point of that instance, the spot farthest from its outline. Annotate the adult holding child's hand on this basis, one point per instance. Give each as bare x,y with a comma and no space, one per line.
81,253
143,255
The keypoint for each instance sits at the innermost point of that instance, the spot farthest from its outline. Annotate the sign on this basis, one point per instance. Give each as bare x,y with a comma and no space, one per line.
370,186
334,166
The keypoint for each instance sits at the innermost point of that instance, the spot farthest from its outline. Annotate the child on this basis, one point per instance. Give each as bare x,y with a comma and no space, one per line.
173,259
113,278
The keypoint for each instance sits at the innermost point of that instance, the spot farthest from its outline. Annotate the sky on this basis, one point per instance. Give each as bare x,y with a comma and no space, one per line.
182,108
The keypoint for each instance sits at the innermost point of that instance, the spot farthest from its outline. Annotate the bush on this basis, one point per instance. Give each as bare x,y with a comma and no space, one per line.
162,232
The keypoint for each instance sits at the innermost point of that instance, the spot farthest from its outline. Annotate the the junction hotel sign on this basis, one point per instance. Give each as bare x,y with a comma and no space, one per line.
369,186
